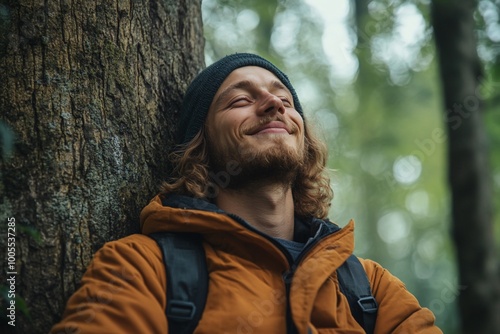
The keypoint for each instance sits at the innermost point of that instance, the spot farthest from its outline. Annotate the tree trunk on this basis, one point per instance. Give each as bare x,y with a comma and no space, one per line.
91,90
368,86
469,175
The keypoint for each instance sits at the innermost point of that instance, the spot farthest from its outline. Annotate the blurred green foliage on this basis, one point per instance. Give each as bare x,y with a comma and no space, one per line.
366,73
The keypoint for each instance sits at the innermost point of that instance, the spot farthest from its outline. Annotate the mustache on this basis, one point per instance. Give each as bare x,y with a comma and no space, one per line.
290,126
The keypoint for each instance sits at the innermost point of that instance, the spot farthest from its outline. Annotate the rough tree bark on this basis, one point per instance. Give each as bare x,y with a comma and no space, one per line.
469,175
91,89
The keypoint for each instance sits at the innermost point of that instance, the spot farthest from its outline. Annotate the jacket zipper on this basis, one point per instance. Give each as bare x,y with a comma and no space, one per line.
287,279
287,276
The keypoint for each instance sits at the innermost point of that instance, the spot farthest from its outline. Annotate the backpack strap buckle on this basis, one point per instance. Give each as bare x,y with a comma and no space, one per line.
180,310
368,304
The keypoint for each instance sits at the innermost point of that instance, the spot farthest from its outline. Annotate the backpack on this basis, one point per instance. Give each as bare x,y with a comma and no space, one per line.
187,283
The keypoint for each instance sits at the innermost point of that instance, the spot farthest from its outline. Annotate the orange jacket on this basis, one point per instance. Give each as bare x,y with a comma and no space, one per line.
124,288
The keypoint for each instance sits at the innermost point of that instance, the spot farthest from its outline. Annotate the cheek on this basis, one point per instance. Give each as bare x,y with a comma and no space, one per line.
226,134
230,128
299,122
296,118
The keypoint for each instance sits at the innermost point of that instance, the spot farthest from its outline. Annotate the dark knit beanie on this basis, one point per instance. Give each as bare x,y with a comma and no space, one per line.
201,91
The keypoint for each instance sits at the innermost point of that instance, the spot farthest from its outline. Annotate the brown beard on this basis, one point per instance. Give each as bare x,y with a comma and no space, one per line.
245,166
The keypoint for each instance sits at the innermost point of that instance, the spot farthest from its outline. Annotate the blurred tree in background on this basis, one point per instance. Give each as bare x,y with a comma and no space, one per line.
367,74
468,165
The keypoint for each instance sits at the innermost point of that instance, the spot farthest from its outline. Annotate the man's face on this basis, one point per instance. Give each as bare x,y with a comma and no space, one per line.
252,122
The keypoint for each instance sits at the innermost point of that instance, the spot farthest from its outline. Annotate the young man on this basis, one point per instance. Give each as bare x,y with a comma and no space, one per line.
250,178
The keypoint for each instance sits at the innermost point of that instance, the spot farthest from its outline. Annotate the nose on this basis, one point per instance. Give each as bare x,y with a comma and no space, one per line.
271,104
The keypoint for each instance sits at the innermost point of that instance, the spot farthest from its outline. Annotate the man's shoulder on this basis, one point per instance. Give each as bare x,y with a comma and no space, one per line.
138,244
379,276
131,240
134,238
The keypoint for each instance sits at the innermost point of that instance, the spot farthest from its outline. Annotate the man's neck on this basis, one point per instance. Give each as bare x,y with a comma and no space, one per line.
268,208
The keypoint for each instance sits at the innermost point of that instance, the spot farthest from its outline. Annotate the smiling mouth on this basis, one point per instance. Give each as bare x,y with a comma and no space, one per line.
274,127
272,130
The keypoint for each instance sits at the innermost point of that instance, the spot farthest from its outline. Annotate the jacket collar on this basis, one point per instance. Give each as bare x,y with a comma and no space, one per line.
187,202
178,213
304,227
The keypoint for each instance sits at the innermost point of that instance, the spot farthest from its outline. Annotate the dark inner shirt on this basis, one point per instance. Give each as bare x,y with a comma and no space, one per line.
303,234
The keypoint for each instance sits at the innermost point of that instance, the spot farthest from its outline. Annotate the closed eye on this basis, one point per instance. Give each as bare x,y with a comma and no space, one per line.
286,102
240,102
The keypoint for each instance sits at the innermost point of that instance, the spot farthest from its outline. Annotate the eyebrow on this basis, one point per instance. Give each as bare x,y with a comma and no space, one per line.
247,84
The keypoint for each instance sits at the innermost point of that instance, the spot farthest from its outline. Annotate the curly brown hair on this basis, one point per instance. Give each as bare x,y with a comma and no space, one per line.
311,190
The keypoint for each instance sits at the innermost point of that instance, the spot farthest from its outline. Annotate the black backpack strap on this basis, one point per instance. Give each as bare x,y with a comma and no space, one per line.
187,279
355,286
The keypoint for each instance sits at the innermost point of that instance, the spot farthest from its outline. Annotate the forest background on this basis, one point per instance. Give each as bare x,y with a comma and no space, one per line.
367,75
89,95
